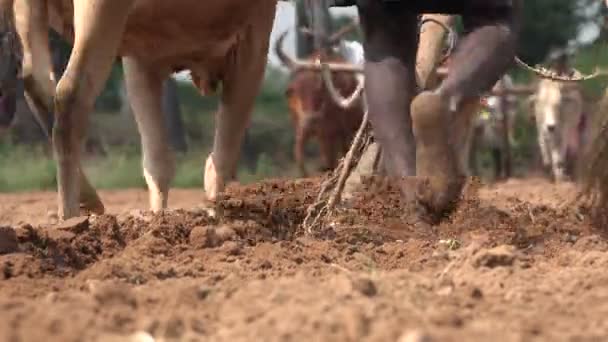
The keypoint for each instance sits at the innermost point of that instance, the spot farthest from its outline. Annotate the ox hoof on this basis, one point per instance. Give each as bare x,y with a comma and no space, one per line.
212,208
91,205
439,181
214,183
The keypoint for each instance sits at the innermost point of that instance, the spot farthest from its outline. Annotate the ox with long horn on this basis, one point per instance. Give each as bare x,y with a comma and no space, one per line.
315,64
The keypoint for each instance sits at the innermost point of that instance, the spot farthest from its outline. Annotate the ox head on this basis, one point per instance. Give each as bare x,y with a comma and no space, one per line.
308,93
10,64
313,82
551,104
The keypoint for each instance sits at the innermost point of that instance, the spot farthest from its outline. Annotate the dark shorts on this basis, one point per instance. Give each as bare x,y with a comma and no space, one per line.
451,6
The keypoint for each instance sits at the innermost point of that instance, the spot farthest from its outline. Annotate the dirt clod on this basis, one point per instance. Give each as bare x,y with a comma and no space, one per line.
201,237
365,286
415,336
495,257
8,240
225,233
75,225
476,293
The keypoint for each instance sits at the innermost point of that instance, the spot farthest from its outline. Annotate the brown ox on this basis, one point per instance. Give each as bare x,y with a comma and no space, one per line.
220,41
314,112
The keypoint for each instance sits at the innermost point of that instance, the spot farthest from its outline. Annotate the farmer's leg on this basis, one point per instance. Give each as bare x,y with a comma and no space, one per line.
481,58
390,50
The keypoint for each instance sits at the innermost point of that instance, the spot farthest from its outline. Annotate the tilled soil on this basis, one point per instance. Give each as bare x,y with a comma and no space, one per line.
516,262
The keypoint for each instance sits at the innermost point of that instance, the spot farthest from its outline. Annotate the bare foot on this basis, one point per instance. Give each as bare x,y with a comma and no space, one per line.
436,165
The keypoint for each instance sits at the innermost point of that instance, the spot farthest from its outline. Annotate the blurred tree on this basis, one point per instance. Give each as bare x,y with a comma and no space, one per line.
344,20
551,24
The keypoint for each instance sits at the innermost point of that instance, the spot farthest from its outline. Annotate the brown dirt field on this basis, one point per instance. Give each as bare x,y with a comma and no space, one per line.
515,262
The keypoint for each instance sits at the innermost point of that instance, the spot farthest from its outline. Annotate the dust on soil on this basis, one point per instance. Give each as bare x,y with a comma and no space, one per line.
515,262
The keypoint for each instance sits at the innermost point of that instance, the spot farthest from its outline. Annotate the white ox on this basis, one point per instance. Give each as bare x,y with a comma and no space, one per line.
220,41
558,110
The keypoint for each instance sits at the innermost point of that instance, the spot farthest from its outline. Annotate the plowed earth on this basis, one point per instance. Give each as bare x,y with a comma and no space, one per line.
515,262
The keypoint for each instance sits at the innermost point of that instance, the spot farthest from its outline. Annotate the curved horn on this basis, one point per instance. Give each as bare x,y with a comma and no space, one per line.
341,101
287,61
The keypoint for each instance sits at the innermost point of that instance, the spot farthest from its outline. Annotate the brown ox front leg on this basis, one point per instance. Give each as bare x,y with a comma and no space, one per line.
98,27
31,21
482,57
241,83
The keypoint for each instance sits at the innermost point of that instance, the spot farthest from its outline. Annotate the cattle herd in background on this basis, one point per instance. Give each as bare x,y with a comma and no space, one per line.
557,109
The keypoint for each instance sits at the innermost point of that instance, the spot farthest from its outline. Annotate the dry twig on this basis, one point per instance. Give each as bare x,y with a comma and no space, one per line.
327,199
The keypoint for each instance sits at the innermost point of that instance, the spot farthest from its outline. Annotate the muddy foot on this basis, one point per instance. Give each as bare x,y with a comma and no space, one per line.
440,182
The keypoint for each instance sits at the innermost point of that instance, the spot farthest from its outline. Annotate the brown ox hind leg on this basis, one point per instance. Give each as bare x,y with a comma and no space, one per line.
31,21
144,88
98,27
241,83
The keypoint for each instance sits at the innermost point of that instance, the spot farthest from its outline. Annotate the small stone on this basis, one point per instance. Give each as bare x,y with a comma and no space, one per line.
202,292
55,234
265,265
203,237
230,259
496,257
141,215
364,286
225,233
415,336
445,291
232,248
25,233
325,259
141,336
175,328
197,326
75,225
476,293
8,240
52,215
108,294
